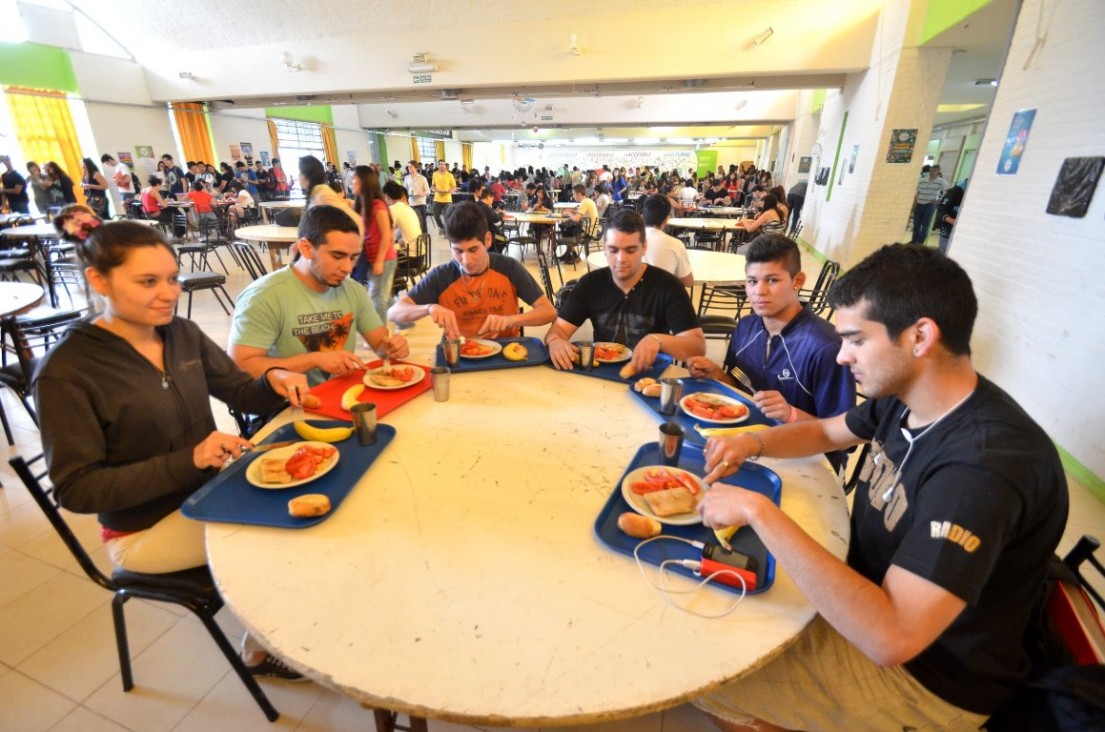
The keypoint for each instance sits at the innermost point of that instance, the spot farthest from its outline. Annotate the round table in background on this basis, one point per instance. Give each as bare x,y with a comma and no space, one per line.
278,239
15,297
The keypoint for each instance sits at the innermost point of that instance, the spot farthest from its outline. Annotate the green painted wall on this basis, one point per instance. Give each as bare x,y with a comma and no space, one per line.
818,100
321,113
39,67
943,14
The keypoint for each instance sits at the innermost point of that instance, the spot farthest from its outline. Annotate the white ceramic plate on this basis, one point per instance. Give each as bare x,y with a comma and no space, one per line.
495,346
253,470
717,398
623,352
419,374
637,502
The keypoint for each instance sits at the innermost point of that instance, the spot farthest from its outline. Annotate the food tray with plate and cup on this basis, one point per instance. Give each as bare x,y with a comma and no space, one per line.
536,354
714,391
610,370
386,399
751,475
230,497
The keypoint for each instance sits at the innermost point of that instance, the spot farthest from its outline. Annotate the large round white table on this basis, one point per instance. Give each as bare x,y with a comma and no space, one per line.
701,224
278,239
708,267
461,578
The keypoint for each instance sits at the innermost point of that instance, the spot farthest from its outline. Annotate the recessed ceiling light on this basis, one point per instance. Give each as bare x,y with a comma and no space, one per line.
986,82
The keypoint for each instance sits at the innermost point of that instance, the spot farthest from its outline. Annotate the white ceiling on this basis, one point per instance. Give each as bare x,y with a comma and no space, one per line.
623,82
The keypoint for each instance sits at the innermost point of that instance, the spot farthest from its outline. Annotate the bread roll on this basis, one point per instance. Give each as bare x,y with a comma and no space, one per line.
638,526
642,384
628,370
310,401
312,504
652,390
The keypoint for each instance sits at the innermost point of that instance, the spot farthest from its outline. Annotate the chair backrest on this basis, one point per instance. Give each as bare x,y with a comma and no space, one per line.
249,259
422,253
543,269
1083,553
45,499
817,297
31,338
729,300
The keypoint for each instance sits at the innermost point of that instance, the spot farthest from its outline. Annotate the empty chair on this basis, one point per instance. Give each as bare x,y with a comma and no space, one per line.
192,282
817,297
193,589
29,338
719,309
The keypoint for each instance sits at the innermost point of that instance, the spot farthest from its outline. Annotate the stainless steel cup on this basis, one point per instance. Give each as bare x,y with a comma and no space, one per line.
671,443
439,377
452,351
364,421
671,391
586,354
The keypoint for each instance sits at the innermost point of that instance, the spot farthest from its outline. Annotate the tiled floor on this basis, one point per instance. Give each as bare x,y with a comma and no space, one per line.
58,669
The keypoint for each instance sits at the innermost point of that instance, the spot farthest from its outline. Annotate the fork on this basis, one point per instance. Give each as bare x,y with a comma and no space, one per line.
387,354
742,377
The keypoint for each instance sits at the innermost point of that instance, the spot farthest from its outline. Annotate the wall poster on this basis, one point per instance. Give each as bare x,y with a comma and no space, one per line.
1015,141
804,164
900,149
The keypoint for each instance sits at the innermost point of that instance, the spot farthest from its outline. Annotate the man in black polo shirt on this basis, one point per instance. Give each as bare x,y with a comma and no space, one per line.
628,302
960,505
15,188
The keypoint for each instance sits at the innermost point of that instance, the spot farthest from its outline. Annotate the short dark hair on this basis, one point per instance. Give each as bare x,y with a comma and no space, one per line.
394,191
656,208
109,245
105,157
319,221
465,221
628,221
580,189
197,185
902,283
775,248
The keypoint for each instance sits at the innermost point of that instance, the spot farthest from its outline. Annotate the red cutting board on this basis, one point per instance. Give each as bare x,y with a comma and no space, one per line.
386,401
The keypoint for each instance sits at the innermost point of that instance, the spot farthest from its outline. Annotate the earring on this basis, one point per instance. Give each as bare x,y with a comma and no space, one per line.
916,351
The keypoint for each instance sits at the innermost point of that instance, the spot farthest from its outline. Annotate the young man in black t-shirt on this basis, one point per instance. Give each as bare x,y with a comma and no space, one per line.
628,302
959,508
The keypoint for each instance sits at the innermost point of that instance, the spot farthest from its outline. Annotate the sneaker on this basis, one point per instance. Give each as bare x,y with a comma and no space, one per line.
275,668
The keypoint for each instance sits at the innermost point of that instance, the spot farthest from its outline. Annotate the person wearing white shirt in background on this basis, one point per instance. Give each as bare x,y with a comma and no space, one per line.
418,188
120,186
602,199
688,194
407,226
664,251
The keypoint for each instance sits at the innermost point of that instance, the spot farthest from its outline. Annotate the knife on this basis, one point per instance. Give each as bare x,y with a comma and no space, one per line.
272,445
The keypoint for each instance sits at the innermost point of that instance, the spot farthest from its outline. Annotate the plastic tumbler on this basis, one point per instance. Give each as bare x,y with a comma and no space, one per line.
671,443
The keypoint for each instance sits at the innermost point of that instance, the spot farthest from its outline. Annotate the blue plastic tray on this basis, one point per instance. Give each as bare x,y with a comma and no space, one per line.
230,498
609,371
690,386
538,354
751,476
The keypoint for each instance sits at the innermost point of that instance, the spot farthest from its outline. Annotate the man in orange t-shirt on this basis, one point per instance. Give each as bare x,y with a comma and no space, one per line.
475,295
201,199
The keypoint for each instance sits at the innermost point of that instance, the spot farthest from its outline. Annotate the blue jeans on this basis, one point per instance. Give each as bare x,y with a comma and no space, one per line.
922,221
379,287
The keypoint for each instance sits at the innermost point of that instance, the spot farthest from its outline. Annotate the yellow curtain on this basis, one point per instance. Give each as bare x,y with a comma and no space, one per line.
44,128
466,155
274,140
195,137
439,150
330,145
414,150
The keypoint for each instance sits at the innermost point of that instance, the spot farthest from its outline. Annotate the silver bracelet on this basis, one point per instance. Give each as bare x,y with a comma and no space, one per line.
759,454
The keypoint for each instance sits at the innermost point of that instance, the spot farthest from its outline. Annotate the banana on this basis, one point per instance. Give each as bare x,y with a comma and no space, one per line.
728,431
308,431
515,352
724,534
351,395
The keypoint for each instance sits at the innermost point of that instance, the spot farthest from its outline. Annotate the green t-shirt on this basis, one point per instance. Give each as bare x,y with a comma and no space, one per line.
281,314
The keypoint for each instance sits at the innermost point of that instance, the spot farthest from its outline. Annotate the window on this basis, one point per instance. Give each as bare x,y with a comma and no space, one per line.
297,139
427,150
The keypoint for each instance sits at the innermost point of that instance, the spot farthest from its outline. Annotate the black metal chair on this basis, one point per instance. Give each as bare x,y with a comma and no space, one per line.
30,337
193,589
546,278
248,259
719,309
192,282
412,265
817,297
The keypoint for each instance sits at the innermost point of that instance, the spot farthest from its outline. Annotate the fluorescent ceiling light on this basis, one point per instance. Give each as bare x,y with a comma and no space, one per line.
949,108
647,140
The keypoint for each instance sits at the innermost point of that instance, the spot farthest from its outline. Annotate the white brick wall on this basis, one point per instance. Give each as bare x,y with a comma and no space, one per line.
244,125
1040,278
